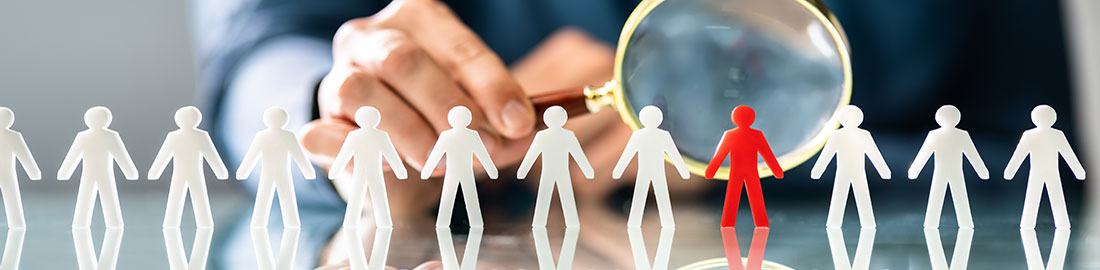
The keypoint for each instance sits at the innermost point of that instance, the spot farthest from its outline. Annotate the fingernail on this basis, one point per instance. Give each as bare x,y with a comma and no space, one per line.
516,116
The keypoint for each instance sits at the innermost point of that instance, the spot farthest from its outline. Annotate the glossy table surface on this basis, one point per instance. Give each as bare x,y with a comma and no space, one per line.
797,238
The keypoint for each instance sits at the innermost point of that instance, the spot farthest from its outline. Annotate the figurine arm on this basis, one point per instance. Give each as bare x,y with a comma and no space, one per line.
720,155
971,153
298,153
433,159
249,161
1071,159
578,155
162,158
1022,151
824,158
769,158
390,154
876,157
24,155
72,158
214,159
533,153
624,159
674,155
119,153
340,163
923,155
483,156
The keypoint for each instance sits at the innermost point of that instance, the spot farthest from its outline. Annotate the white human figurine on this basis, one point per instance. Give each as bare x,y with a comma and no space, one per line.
949,144
447,253
651,144
850,144
288,248
638,249
1044,144
12,148
368,146
200,248
556,145
961,255
275,147
108,250
461,145
188,146
862,259
13,248
100,148
565,252
1056,259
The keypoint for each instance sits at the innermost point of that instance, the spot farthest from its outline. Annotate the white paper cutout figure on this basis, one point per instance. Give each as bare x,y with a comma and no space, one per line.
108,252
357,257
850,144
447,248
188,146
1044,144
288,248
961,254
460,144
565,255
651,144
839,249
1057,256
99,148
200,248
641,257
556,145
949,144
13,248
275,147
12,148
368,146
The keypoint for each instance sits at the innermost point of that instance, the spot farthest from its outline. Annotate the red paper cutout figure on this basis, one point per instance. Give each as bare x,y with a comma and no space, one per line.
741,144
755,259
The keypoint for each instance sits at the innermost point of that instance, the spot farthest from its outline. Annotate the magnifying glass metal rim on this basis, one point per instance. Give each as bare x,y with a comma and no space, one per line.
613,94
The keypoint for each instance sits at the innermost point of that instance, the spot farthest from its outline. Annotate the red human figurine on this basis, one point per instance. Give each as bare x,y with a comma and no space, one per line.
741,144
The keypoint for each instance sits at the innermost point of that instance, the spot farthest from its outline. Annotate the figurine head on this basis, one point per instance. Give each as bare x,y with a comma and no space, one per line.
1043,116
948,116
188,117
459,117
276,117
367,117
97,117
850,116
7,117
651,116
743,116
554,117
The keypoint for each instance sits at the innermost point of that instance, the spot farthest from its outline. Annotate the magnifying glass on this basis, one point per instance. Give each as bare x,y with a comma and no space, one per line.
698,59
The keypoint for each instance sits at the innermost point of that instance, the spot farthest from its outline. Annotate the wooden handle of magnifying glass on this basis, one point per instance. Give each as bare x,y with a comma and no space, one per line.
572,99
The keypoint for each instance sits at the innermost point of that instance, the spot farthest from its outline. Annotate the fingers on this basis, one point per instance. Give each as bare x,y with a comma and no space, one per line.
474,65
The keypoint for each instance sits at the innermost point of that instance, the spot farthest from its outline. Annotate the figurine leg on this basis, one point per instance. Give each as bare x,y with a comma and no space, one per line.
173,243
863,201
173,210
1057,201
108,198
756,202
935,201
354,210
568,202
447,201
473,208
200,248
108,251
961,201
542,201
288,202
13,248
664,207
1031,201
379,202
841,185
200,203
85,251
264,194
288,248
85,203
13,204
733,197
732,249
637,206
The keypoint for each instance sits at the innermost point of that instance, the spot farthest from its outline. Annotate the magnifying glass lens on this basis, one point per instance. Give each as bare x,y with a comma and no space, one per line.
698,59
